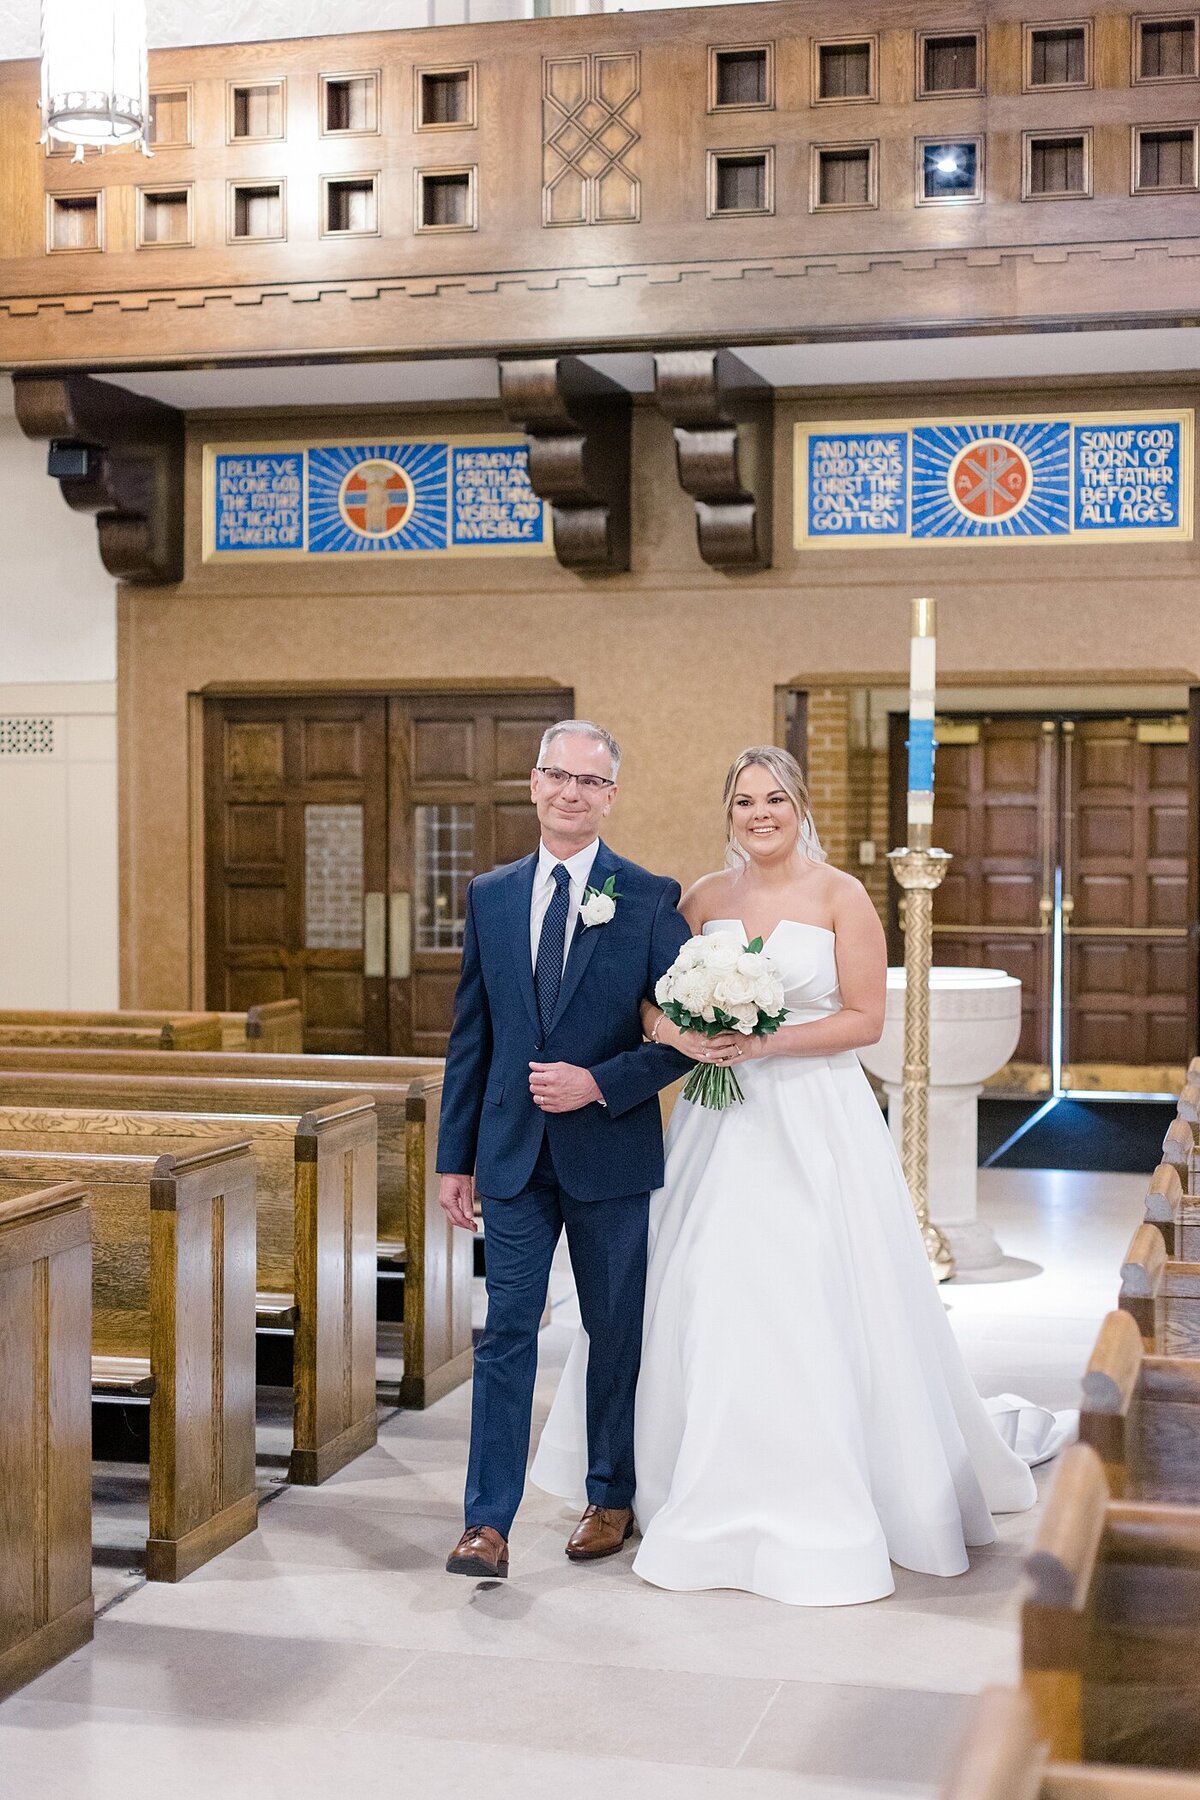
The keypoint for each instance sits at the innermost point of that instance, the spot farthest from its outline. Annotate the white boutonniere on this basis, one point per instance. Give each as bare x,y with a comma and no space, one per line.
599,905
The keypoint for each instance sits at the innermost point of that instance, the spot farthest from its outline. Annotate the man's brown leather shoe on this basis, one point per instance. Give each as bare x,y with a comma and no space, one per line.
479,1551
601,1532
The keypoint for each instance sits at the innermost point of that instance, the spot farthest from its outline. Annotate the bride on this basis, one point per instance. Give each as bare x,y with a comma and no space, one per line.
804,1415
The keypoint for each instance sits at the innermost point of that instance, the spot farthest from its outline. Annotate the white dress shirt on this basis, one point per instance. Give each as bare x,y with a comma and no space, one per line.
578,867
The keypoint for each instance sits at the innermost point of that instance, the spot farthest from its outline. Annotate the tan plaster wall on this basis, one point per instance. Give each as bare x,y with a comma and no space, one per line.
680,661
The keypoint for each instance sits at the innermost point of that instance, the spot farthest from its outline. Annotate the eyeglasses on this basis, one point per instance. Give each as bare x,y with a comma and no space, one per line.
587,784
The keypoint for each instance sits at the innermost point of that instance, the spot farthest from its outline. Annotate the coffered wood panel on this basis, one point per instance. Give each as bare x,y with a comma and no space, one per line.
993,810
1096,809
295,836
1125,892
459,804
591,140
577,124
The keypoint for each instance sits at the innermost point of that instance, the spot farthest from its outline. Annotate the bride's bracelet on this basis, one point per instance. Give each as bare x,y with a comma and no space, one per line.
654,1028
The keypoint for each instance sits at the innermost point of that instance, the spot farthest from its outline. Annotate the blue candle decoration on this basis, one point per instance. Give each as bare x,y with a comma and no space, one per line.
920,756
921,743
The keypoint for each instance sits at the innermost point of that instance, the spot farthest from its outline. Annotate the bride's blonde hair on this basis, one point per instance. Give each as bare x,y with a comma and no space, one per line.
787,774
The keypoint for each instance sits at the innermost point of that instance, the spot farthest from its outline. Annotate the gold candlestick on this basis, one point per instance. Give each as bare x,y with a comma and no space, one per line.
919,870
919,873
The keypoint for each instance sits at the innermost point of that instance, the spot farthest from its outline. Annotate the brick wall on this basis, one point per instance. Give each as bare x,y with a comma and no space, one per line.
848,784
829,769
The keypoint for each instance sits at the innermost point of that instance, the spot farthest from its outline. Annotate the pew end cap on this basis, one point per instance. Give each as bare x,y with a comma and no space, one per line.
1144,1264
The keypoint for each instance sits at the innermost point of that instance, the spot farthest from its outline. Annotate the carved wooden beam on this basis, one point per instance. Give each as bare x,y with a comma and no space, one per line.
117,455
578,424
723,416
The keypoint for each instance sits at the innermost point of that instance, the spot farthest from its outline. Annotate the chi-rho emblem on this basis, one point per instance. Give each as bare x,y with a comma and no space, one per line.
990,479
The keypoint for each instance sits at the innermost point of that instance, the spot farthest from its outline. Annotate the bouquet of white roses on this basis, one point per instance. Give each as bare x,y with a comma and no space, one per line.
717,984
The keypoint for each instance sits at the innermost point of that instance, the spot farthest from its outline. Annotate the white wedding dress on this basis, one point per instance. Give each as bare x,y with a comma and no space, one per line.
804,1415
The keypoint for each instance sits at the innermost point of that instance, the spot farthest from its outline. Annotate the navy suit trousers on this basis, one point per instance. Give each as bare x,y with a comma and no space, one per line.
607,1239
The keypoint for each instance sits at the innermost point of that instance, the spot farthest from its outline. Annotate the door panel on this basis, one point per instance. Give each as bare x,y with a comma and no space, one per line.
460,783
295,830
994,786
1104,803
1125,896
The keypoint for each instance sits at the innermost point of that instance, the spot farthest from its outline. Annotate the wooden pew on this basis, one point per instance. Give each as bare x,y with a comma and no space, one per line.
1110,1624
1164,1209
111,1031
1162,1297
1141,1415
315,1212
114,1060
413,1232
1000,1758
266,1030
1188,1106
46,1608
349,1074
1178,1149
173,1319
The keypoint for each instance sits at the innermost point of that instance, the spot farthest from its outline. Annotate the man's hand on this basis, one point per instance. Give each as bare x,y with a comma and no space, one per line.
561,1087
456,1197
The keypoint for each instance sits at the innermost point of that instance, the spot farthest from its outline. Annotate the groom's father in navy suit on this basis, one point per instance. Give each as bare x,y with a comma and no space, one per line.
550,1109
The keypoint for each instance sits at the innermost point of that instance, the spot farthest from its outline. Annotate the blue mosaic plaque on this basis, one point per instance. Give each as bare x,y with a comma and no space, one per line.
491,499
858,484
1065,478
403,497
258,501
1127,476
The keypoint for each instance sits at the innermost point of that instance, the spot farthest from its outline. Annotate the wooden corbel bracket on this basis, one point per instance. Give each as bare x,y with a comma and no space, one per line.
578,426
120,456
723,418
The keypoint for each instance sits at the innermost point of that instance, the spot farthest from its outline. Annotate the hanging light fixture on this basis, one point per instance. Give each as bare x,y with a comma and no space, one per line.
94,76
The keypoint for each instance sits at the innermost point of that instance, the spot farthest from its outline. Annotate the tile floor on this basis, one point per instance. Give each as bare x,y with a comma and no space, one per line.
329,1654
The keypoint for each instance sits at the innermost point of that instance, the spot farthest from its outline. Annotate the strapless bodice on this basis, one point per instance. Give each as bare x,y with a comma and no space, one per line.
804,957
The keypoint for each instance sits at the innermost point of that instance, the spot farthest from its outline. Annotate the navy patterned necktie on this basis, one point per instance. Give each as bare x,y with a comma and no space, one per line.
548,970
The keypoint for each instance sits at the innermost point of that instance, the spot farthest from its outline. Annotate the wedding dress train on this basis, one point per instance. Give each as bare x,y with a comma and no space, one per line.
804,1414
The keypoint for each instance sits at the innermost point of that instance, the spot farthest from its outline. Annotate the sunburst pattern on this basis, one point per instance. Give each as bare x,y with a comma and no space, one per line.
426,527
1045,444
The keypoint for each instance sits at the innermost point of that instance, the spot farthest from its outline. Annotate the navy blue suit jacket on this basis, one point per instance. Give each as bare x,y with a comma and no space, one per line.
488,1120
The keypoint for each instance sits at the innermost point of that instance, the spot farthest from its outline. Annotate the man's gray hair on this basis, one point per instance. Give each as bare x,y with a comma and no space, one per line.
581,728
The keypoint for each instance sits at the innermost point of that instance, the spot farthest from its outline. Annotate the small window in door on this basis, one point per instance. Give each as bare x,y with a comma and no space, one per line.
333,877
444,838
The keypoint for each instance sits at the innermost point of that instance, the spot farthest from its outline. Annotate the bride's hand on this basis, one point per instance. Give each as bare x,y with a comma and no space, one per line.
727,1047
